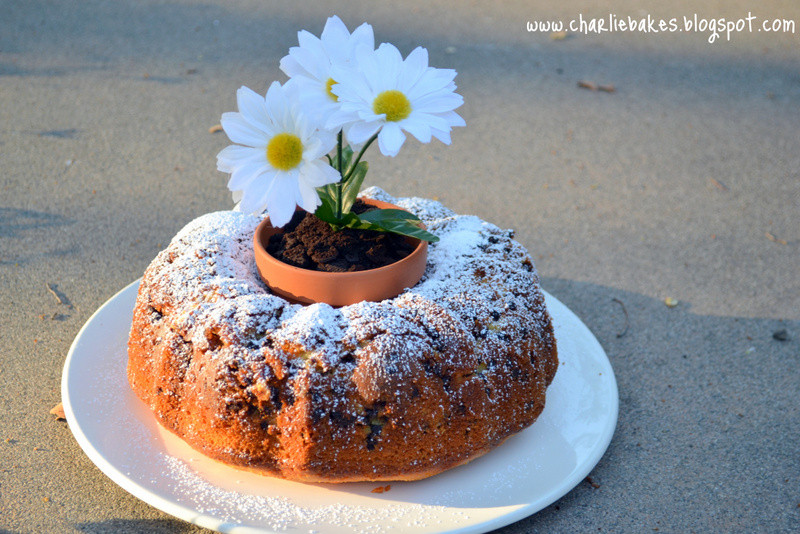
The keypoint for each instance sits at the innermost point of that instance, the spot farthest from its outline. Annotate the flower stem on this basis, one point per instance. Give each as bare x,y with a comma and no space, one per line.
358,158
340,185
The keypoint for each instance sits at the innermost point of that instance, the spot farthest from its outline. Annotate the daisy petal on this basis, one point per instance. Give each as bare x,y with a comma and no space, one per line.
310,50
339,118
241,131
389,62
335,35
441,135
244,175
431,119
235,155
370,71
433,80
363,54
252,109
307,197
351,85
318,173
438,102
291,67
313,59
318,146
418,129
453,118
390,139
413,68
278,106
254,199
363,35
361,131
281,198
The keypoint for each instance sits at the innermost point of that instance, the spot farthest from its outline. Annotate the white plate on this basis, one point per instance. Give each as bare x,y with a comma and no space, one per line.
528,472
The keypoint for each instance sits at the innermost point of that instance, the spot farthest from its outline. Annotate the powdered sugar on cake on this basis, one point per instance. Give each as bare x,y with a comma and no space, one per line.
209,267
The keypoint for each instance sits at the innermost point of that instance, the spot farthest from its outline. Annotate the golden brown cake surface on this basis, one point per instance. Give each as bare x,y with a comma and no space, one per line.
394,390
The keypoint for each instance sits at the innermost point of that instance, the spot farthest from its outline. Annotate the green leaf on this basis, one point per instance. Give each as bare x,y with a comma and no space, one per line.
327,192
397,222
353,185
376,216
389,220
326,212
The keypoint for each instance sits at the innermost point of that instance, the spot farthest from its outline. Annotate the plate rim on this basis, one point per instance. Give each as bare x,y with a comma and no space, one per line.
198,518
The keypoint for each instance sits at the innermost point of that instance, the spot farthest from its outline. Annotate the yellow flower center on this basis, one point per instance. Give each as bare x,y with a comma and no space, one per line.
393,103
328,85
284,151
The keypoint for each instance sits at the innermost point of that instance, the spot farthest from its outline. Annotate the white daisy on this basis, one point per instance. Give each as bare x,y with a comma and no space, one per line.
277,162
309,65
386,95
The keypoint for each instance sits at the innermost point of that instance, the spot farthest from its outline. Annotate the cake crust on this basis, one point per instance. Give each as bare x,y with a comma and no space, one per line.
377,391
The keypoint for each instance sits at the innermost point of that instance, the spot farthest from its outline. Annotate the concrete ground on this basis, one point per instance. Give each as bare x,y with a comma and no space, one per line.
683,183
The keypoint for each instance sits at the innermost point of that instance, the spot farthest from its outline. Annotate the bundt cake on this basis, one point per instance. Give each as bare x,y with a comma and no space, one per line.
395,390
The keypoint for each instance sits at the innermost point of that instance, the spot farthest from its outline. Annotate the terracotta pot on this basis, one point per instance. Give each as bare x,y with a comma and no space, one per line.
306,286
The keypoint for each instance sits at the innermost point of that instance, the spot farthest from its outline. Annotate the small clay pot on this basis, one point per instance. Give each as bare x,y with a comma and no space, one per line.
307,286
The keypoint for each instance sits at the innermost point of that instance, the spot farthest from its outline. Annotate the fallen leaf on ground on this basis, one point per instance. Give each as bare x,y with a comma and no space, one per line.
775,239
58,411
718,184
591,86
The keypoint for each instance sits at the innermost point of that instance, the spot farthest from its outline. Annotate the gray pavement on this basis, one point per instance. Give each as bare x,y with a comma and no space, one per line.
682,183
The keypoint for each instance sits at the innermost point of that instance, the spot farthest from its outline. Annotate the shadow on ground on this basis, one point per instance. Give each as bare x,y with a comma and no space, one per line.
15,222
154,526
